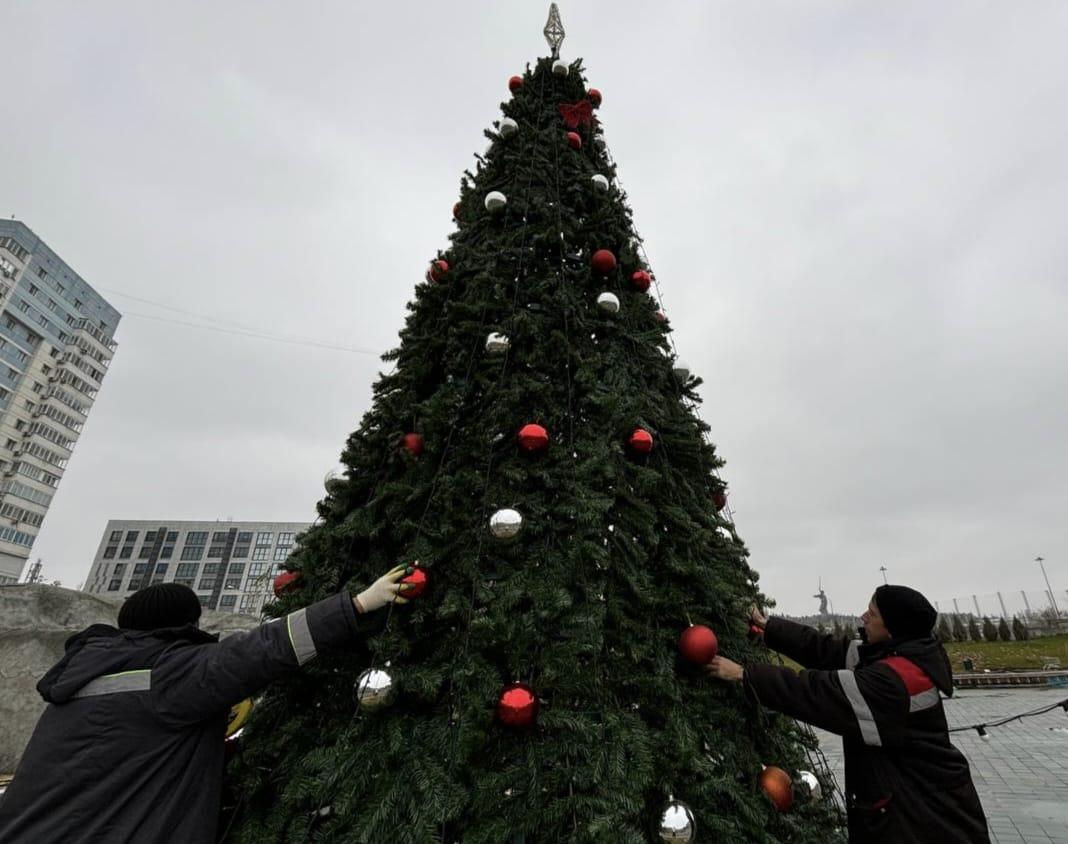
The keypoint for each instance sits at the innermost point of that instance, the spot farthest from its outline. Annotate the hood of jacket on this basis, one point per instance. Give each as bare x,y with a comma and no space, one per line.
927,653
102,649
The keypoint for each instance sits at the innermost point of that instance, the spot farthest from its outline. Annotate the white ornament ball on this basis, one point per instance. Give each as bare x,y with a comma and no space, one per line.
560,67
608,302
681,370
374,689
497,344
505,524
495,200
677,824
508,127
600,182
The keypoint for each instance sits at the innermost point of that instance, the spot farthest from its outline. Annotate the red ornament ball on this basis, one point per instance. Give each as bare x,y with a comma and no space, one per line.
641,280
286,582
413,443
698,644
603,261
775,783
417,579
574,140
456,211
533,438
515,83
437,270
594,96
719,499
517,706
641,441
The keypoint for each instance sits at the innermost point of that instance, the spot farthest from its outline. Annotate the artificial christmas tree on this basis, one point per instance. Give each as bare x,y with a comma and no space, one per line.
535,692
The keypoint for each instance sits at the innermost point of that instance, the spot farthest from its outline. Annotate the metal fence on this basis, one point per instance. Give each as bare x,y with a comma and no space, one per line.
1043,613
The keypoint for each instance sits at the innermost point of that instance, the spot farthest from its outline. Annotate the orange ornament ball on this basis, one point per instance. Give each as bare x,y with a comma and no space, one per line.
776,783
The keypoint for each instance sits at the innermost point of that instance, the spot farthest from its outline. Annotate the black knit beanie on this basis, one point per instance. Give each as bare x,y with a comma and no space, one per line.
906,613
160,605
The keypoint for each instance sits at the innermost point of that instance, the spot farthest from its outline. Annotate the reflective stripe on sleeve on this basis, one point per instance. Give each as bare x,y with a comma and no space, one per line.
124,681
865,720
300,637
924,700
853,654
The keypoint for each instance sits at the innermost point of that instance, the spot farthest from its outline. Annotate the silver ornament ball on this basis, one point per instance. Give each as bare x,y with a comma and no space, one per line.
560,67
608,302
681,370
677,824
600,182
809,786
505,524
373,689
495,200
508,127
497,344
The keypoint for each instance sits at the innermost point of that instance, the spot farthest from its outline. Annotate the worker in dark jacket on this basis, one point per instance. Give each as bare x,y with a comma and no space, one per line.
905,782
130,746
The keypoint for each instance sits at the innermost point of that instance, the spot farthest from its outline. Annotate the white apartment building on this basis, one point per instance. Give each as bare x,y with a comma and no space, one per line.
55,347
230,564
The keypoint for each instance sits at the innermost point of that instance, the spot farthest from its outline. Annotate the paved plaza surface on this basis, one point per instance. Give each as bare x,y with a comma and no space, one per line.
1021,773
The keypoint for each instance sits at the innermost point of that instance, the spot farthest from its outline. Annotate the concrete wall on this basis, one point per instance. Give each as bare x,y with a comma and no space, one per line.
35,621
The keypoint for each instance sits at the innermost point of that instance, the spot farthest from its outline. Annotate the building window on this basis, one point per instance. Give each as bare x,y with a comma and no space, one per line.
172,536
150,537
131,536
285,539
205,600
237,568
245,537
115,585
184,581
139,568
161,568
240,552
166,552
281,554
255,569
233,583
220,536
260,553
264,537
196,537
193,552
134,585
211,568
119,569
207,582
109,552
186,570
228,601
216,550
126,552
146,552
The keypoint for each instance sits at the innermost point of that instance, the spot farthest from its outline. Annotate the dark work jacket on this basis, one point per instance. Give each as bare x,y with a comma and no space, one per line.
130,746
905,782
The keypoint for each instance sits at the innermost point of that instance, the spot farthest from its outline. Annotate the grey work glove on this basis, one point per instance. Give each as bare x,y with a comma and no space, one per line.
386,590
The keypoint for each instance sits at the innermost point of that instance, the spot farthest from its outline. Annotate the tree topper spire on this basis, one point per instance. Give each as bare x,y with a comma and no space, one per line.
554,30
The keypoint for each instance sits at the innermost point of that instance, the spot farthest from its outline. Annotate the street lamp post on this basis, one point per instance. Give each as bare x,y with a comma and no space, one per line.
1049,589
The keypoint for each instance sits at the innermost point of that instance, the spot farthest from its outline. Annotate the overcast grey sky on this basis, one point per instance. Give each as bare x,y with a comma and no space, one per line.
857,213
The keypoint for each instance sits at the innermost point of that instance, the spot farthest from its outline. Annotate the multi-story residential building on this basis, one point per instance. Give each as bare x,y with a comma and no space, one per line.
55,347
231,565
